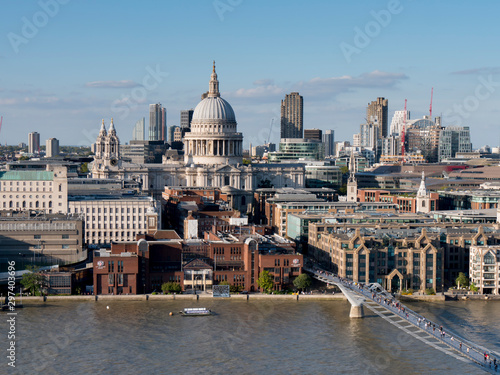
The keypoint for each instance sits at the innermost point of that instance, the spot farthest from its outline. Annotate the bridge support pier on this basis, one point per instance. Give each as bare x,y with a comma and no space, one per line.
356,311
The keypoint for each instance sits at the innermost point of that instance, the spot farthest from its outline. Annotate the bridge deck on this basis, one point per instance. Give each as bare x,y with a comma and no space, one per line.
393,311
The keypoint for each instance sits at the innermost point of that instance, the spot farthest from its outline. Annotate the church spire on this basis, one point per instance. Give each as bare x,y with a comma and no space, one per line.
214,84
422,191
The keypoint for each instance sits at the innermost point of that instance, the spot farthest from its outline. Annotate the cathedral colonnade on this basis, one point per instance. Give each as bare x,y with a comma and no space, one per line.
214,147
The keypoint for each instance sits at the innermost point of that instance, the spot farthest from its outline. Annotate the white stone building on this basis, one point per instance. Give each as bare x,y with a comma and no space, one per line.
35,189
113,218
484,268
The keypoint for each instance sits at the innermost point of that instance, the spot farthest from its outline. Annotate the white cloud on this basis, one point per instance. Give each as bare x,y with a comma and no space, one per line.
316,88
112,84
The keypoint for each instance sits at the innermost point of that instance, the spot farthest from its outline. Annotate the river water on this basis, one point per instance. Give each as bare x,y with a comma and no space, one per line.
244,337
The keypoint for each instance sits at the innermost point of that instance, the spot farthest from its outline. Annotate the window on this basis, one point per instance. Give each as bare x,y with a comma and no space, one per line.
65,236
37,236
65,246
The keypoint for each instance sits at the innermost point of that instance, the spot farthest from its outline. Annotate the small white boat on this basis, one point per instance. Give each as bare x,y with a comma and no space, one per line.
195,311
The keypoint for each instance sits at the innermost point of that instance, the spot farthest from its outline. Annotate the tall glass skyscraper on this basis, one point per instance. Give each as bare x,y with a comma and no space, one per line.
157,122
138,134
186,117
329,141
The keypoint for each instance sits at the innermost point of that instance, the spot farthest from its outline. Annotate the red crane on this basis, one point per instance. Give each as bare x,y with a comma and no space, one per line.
430,108
403,138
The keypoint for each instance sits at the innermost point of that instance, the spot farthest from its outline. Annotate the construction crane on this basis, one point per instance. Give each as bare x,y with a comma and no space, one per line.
403,138
430,108
270,130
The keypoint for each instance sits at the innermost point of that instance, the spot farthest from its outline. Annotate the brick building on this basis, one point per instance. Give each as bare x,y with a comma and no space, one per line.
140,266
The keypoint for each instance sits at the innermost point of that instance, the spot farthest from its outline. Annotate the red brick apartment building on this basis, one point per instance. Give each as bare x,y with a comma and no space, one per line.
405,199
140,266
237,256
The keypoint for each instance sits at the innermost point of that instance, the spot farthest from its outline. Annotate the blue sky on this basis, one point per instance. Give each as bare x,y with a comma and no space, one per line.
66,64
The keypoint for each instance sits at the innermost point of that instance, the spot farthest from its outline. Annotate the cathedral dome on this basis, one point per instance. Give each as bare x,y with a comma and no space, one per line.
214,108
213,139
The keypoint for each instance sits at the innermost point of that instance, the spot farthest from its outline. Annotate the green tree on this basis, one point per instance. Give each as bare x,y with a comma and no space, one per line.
473,287
462,280
171,287
344,170
265,281
430,291
34,280
247,161
266,183
302,281
84,168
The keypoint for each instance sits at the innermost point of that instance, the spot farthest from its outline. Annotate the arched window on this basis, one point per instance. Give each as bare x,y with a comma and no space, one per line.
37,204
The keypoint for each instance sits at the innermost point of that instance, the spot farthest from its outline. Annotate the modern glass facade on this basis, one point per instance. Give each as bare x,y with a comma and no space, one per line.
323,176
298,148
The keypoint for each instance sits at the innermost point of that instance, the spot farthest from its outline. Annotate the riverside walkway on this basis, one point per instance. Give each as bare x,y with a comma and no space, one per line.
431,333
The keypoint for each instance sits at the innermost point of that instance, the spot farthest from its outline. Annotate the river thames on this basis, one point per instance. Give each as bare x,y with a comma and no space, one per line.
243,337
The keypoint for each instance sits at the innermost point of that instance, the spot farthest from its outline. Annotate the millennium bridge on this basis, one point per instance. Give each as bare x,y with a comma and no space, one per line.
383,304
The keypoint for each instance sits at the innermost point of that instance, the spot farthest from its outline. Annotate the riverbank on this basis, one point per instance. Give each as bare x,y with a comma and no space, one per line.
167,297
421,297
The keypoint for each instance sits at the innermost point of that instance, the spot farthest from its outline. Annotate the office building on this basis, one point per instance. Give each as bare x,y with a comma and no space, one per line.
369,134
259,151
51,147
292,116
34,143
378,109
298,148
138,133
171,130
186,117
177,134
31,239
117,216
422,137
398,121
329,142
454,139
143,152
157,122
36,189
314,134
